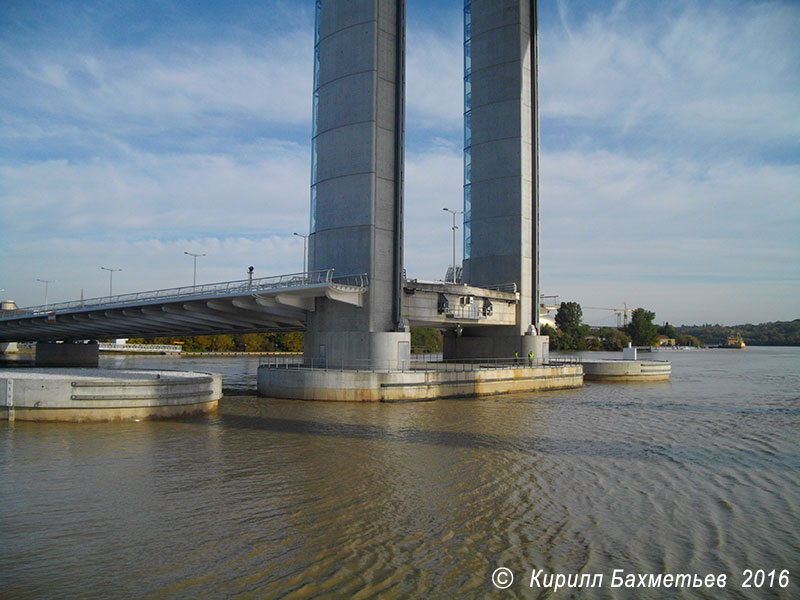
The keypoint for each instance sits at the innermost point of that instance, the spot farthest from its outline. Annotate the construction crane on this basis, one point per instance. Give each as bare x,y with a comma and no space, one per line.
622,313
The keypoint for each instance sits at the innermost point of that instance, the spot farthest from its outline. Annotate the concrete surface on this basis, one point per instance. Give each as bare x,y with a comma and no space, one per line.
105,394
357,178
411,385
631,371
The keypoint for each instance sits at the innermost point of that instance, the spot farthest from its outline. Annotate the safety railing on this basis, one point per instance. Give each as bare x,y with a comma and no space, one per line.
510,288
558,359
140,348
577,360
225,288
416,363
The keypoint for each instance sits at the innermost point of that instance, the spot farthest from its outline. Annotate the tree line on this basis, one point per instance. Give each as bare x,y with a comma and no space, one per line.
244,342
776,333
422,340
572,334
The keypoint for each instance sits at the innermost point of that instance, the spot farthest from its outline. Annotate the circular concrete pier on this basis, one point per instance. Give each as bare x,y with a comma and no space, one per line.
105,394
631,371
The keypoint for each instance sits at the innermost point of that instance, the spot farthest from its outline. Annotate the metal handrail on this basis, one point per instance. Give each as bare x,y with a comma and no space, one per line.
502,287
415,364
262,284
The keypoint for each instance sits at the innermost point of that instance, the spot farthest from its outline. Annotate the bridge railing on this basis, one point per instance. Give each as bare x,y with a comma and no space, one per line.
225,288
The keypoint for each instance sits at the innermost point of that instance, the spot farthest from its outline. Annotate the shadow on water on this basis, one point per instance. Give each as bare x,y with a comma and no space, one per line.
638,451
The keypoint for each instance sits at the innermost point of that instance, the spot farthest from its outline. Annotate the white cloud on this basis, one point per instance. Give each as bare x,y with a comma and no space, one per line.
672,233
434,180
73,264
184,89
435,78
694,73
265,190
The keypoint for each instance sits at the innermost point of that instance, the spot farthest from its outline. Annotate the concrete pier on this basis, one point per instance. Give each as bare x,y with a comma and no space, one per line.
105,394
626,371
445,380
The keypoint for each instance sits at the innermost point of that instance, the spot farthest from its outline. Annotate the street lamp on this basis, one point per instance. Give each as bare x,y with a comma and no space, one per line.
46,282
305,245
193,255
454,213
110,279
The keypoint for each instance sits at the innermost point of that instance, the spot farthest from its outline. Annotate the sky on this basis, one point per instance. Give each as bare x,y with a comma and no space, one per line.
132,132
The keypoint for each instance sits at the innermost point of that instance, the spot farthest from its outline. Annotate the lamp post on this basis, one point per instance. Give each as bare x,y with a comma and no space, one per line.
305,246
110,279
454,213
194,256
46,283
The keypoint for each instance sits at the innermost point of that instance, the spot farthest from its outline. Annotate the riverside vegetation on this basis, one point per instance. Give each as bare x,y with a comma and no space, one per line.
570,334
422,340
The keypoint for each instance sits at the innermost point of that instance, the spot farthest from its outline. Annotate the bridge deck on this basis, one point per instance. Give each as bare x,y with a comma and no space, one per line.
267,304
259,305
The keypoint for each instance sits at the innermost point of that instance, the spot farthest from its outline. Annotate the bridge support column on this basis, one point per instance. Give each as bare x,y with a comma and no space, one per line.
501,185
50,354
357,182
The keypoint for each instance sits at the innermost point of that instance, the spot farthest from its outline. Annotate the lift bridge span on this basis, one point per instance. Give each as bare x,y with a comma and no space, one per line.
269,304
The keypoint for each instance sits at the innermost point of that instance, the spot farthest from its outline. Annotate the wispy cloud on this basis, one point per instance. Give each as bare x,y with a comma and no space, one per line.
691,74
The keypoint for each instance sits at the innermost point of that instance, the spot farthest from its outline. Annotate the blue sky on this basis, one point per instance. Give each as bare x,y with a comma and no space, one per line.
132,132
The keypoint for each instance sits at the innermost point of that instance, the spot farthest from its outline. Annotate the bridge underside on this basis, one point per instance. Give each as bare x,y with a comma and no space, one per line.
242,311
425,304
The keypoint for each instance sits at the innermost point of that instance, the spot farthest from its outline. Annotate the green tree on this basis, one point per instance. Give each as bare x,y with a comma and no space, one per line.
642,330
667,330
553,334
568,317
684,339
223,343
251,342
615,339
426,339
289,342
573,334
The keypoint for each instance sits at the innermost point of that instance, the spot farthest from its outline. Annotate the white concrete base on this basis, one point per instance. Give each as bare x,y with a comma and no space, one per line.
633,371
105,394
409,385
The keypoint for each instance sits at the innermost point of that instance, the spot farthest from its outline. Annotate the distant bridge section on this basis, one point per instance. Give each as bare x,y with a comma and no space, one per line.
279,303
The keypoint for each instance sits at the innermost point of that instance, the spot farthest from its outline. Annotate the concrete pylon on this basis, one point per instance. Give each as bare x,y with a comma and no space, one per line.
357,181
501,174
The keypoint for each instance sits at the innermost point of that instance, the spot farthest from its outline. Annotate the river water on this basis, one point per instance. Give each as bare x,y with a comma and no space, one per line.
280,499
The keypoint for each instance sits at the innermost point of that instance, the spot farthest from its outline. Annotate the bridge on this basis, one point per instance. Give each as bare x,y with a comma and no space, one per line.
357,219
269,304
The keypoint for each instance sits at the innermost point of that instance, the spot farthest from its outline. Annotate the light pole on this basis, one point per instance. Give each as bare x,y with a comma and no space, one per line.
110,279
305,245
46,283
454,213
193,255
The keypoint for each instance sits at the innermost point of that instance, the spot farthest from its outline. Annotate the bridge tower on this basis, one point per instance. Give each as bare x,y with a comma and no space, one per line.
501,171
357,180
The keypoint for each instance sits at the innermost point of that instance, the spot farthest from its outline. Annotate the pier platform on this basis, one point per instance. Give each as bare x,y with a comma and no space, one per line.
626,371
105,394
427,381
